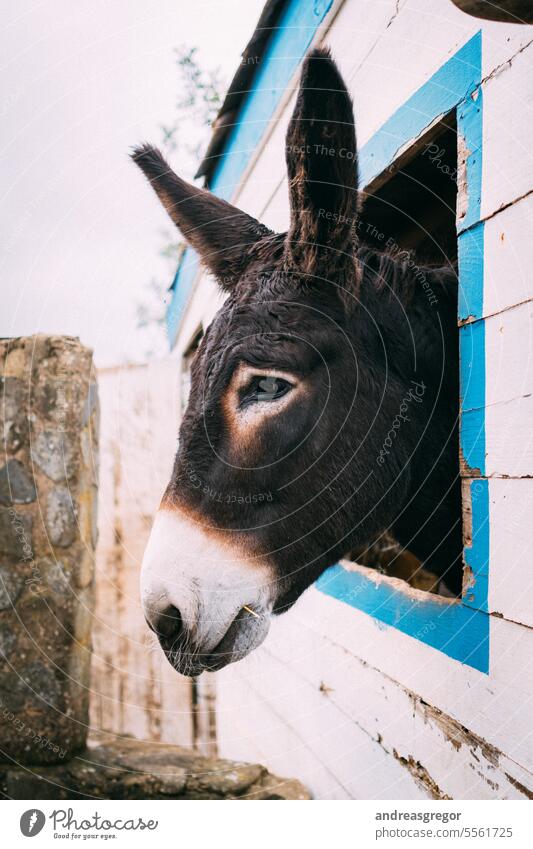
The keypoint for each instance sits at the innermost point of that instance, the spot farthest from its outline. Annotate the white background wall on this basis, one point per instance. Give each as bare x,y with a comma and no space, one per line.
134,689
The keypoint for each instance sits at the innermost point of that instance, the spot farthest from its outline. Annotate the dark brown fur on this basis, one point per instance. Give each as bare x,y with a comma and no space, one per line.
358,329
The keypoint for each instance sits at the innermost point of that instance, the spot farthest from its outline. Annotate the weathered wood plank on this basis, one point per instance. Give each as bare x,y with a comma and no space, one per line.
509,438
507,154
491,706
508,258
345,754
335,700
503,431
134,689
509,355
511,572
249,727
453,760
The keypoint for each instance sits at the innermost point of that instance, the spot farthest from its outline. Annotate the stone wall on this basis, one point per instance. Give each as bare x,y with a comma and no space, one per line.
48,488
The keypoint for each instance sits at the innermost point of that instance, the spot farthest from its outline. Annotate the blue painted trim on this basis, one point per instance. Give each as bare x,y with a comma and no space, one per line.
286,49
471,252
451,627
461,630
181,290
452,84
472,389
477,556
470,144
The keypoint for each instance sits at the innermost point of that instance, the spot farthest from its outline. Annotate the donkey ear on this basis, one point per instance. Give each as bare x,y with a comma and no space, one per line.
222,235
322,167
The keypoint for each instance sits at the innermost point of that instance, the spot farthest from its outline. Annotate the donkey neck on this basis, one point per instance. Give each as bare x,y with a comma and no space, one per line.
413,309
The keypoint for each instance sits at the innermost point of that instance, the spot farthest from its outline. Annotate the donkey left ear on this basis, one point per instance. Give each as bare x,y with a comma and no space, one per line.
322,167
223,236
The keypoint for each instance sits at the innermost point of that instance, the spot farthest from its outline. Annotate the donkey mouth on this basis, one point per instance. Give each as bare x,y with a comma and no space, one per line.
246,632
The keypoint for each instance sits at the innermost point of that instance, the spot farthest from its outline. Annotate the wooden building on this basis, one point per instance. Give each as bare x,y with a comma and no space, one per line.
370,688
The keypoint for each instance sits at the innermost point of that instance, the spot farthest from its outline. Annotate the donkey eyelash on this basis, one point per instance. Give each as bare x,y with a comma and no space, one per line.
264,388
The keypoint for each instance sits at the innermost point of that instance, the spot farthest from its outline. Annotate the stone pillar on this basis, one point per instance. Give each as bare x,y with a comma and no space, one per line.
48,489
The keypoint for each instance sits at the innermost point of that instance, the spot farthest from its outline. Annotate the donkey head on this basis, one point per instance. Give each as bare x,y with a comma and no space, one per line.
274,478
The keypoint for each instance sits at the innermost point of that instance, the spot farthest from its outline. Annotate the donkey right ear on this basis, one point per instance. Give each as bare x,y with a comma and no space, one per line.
222,235
322,168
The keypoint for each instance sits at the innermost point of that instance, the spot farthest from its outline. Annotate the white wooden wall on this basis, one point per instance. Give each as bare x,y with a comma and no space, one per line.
134,689
353,708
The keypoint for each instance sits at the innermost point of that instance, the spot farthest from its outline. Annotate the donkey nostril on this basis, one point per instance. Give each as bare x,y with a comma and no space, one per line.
169,623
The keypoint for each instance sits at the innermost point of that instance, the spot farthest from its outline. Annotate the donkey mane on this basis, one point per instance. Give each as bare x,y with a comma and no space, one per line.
404,277
399,274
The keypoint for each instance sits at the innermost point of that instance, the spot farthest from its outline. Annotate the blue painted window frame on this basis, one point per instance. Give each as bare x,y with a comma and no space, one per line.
459,629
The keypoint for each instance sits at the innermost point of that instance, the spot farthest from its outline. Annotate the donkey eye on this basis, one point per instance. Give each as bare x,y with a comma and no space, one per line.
265,388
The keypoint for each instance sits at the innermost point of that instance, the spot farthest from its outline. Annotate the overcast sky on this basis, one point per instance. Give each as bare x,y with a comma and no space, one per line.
81,83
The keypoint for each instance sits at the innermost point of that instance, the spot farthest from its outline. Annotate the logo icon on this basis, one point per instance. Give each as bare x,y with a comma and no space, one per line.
32,822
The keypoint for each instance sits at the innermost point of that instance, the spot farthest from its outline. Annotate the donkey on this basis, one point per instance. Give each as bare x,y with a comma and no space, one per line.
323,405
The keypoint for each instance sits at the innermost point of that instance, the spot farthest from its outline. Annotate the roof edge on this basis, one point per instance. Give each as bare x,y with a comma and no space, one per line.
240,86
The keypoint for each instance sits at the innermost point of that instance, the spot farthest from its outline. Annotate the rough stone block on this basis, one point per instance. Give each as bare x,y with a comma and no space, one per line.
49,424
61,516
16,484
15,533
134,769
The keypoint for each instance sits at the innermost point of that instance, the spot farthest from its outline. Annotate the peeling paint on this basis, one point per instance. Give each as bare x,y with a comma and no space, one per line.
505,65
467,471
421,776
456,734
519,786
469,581
462,177
466,500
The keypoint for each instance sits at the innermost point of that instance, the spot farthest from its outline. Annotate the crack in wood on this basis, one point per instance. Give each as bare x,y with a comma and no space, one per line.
421,776
507,64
